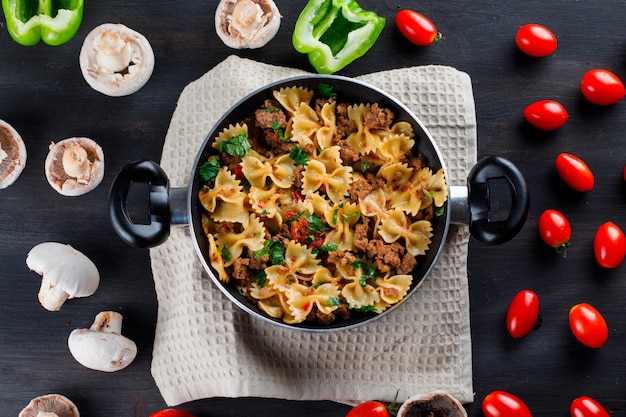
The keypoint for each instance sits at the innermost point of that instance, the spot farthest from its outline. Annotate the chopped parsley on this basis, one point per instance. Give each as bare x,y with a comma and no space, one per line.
272,109
333,301
209,170
439,211
366,165
236,146
275,250
326,90
330,247
276,128
347,217
299,156
226,254
366,272
261,277
315,223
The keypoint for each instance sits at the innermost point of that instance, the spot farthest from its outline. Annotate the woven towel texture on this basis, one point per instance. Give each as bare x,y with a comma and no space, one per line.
206,347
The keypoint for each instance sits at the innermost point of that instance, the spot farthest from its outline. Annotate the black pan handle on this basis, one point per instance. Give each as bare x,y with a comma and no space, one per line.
481,228
141,235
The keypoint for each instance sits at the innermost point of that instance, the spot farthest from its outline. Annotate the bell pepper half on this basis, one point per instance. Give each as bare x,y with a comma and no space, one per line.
335,32
53,21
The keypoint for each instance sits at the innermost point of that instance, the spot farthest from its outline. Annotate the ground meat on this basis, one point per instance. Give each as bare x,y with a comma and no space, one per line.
345,126
232,162
341,258
341,313
298,175
361,235
407,265
241,271
386,255
360,189
377,118
349,154
270,118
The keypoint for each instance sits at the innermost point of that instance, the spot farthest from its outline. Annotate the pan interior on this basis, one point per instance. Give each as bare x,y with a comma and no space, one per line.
351,91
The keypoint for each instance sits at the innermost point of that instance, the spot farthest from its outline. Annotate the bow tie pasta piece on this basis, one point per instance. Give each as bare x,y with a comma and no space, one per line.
292,97
357,293
421,191
395,174
309,127
257,169
217,260
395,147
416,235
330,157
336,183
342,218
299,266
363,139
231,244
325,276
229,133
393,289
302,299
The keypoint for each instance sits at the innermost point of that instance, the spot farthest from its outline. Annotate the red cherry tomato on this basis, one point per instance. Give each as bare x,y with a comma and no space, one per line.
555,230
602,87
171,412
609,245
546,114
587,407
588,325
369,409
535,40
523,313
504,404
417,28
575,172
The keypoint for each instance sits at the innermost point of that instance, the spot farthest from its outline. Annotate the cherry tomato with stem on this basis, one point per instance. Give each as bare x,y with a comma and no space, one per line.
417,28
369,409
609,245
602,87
535,40
504,404
172,412
575,172
555,230
587,407
523,314
546,114
588,325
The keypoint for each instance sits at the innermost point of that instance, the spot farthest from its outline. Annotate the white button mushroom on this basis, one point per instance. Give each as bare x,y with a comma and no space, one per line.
102,347
51,405
74,166
12,154
116,60
66,273
246,23
435,403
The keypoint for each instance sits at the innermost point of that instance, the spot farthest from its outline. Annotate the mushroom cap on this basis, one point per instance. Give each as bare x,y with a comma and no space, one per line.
102,347
433,404
100,60
12,154
61,181
65,268
244,24
54,403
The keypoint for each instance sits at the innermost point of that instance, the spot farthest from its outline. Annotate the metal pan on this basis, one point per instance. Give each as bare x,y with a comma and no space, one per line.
467,203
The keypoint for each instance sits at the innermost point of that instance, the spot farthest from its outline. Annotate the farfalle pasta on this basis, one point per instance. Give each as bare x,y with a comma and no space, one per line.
318,210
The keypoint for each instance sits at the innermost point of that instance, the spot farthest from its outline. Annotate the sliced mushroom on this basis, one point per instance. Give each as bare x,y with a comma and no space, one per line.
75,166
102,347
116,60
246,23
66,273
433,404
12,154
51,405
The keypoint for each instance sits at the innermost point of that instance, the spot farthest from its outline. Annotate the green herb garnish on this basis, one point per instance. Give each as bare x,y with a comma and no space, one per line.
261,277
226,254
236,146
209,170
277,253
315,223
272,109
333,301
330,247
366,272
326,90
299,156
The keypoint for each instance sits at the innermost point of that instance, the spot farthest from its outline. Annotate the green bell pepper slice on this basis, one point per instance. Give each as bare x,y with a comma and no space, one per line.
335,32
53,21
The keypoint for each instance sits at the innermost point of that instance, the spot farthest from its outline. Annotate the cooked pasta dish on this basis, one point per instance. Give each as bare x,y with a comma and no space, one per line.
317,210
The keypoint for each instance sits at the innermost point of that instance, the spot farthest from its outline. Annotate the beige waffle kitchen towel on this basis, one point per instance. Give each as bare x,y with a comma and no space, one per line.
206,347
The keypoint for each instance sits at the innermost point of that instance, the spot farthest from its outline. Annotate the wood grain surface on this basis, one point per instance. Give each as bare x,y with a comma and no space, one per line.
44,97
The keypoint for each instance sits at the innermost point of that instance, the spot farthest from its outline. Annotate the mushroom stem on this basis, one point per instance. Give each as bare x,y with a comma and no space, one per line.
247,18
114,54
46,414
3,154
108,322
75,161
50,296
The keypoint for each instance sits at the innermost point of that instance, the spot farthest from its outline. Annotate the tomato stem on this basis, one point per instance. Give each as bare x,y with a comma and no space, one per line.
562,249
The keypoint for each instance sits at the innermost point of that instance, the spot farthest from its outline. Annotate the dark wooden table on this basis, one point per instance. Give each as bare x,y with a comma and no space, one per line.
44,96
